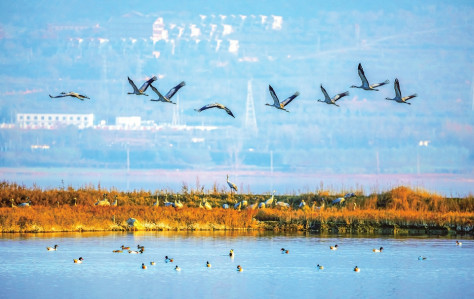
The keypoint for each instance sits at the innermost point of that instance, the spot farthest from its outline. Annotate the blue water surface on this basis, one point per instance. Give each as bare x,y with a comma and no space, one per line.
28,270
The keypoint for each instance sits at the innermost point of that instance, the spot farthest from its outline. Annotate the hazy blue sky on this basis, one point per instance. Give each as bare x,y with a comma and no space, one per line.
428,46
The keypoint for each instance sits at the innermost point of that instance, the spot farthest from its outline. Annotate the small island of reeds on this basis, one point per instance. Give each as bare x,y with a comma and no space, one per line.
401,210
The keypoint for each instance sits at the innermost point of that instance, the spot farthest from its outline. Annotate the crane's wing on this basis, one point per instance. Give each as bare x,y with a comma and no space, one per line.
228,111
174,90
340,95
396,85
147,83
325,93
156,91
409,97
276,101
289,99
81,96
135,89
362,75
59,96
379,84
205,107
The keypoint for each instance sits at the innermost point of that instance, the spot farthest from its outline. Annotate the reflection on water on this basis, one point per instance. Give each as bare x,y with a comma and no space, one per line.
29,270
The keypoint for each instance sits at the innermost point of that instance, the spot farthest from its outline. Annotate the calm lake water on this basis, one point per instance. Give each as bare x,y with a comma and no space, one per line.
28,270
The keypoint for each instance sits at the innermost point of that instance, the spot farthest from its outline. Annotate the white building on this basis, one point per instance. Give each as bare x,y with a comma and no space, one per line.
52,120
128,122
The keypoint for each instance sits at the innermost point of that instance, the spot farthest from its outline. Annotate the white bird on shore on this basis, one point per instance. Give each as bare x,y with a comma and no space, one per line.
302,204
398,94
142,89
332,101
115,203
365,84
282,204
156,203
231,185
276,102
253,206
269,201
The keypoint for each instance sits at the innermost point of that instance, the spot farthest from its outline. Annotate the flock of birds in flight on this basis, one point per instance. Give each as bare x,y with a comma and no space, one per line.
281,105
141,250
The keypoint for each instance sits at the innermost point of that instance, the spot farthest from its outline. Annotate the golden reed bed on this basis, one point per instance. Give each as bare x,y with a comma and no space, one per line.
400,210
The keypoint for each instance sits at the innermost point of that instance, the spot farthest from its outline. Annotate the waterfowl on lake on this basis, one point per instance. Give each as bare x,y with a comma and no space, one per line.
168,260
332,101
276,102
140,247
70,94
215,105
133,252
118,251
458,243
239,268
125,248
320,267
365,84
152,263
282,250
208,264
231,253
421,258
78,261
52,248
377,250
169,95
177,268
143,266
356,269
333,247
398,95
142,89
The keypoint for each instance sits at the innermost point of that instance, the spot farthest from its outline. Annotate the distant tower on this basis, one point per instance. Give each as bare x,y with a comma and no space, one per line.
250,119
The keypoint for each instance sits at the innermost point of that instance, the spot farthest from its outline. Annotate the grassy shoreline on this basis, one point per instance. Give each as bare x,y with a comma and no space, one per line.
398,211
